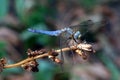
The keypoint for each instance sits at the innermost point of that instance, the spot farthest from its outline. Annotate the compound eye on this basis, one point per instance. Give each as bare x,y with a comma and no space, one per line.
79,36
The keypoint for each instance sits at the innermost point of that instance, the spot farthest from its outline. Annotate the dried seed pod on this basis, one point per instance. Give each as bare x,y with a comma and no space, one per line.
53,53
29,53
86,47
31,66
34,66
27,67
57,60
79,52
50,57
33,63
35,69
36,52
2,63
42,51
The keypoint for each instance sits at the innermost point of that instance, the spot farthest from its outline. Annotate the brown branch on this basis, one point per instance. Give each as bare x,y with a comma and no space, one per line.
86,47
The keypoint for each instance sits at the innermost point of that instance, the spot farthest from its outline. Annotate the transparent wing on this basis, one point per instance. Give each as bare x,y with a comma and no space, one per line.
65,42
83,26
87,26
65,37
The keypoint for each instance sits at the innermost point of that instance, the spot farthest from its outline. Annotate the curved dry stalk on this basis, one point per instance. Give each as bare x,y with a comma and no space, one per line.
81,46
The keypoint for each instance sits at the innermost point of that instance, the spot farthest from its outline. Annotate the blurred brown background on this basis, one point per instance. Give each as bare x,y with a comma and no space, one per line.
16,16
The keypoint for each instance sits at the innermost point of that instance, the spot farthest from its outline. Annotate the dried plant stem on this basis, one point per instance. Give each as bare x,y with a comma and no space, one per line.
36,57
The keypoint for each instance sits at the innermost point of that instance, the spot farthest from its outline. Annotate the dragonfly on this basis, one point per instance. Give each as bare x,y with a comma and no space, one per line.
70,32
70,35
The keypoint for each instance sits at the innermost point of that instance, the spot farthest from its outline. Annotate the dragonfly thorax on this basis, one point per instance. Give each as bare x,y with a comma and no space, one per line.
69,30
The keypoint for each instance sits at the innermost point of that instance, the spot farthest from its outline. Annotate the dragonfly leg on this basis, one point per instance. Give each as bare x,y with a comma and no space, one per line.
73,58
62,56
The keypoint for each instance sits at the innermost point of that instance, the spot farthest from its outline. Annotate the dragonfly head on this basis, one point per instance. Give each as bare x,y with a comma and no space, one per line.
77,35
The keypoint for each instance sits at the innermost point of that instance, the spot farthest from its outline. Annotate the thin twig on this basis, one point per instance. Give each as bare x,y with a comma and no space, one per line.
79,48
36,57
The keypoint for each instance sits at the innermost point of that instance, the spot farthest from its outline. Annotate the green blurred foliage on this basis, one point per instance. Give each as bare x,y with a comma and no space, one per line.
20,7
46,71
34,18
32,38
2,49
3,8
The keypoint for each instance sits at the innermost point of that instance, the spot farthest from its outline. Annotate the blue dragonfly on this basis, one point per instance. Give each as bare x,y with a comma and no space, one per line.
70,35
70,32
